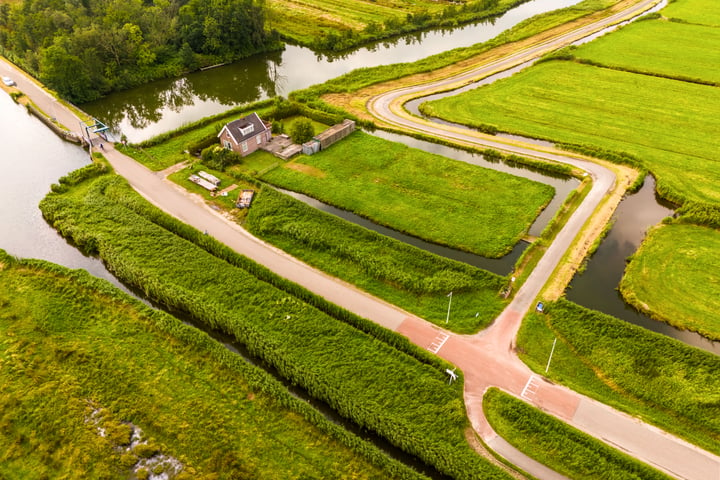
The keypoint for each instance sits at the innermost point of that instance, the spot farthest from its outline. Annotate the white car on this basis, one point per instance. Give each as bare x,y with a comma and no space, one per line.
8,81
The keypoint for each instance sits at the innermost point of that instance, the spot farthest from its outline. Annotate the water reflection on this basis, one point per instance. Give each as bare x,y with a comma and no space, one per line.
32,159
596,288
164,105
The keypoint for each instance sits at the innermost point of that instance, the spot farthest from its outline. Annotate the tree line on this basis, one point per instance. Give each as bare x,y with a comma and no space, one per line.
84,49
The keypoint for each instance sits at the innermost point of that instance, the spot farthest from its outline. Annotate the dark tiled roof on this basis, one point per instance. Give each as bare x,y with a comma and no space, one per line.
240,129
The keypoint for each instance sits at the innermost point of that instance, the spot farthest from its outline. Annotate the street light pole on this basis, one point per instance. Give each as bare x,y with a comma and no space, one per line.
447,319
551,354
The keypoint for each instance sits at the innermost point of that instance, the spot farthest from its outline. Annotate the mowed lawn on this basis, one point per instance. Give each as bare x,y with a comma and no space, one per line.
431,197
657,46
703,12
673,127
674,275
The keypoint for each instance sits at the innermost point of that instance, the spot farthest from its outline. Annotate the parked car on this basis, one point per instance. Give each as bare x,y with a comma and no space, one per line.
8,81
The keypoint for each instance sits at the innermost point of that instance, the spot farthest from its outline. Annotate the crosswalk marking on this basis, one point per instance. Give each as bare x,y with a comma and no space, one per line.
531,387
439,341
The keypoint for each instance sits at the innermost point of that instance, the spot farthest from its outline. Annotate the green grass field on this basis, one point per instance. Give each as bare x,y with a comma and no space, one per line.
400,274
305,21
702,12
428,196
662,381
78,355
660,47
671,126
559,446
672,277
366,373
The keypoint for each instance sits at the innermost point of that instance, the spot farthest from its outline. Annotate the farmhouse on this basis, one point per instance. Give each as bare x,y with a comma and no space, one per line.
245,135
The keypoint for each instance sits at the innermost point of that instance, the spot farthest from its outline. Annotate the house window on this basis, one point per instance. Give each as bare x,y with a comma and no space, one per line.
244,146
259,139
228,145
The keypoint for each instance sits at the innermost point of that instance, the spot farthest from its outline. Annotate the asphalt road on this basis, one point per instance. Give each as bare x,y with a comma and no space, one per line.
486,359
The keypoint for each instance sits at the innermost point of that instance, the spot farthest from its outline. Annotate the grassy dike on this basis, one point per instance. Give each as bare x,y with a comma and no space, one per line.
559,446
660,380
82,364
672,278
440,200
366,373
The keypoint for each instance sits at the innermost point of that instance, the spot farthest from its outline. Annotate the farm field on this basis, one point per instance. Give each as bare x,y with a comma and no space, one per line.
672,277
78,356
366,373
561,447
431,197
306,21
659,47
659,379
703,12
672,127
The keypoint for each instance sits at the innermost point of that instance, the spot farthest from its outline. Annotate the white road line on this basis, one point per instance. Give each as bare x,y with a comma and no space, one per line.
530,388
439,341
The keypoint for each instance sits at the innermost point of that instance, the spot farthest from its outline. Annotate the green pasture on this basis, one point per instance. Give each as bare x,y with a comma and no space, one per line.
366,373
673,278
559,446
400,274
702,12
329,23
659,47
660,380
431,197
671,126
78,355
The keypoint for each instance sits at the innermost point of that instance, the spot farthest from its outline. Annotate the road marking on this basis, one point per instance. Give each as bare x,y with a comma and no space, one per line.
531,387
439,341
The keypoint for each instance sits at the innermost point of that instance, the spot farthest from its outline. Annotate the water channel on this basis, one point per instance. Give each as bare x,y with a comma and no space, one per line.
164,105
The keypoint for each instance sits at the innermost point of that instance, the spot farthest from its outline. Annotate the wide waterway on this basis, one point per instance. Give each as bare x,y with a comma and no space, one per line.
157,107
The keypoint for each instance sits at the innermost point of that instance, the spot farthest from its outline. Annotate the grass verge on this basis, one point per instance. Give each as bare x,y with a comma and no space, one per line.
559,446
656,378
400,274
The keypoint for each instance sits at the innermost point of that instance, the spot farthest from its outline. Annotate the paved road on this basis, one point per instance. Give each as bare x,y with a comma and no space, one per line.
486,359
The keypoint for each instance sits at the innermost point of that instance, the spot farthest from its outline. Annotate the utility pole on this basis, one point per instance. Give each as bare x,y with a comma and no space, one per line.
447,319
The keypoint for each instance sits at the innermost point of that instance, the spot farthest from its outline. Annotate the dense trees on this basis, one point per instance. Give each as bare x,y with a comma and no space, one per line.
85,48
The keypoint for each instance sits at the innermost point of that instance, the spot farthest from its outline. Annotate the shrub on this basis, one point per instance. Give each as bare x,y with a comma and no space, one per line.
302,131
219,158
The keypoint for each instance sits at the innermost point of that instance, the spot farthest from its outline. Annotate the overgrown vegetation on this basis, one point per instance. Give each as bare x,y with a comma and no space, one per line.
401,274
561,447
428,196
84,364
363,371
669,278
84,50
661,380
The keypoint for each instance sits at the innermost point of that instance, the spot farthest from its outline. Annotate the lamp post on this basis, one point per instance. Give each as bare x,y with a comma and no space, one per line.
547,367
447,319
